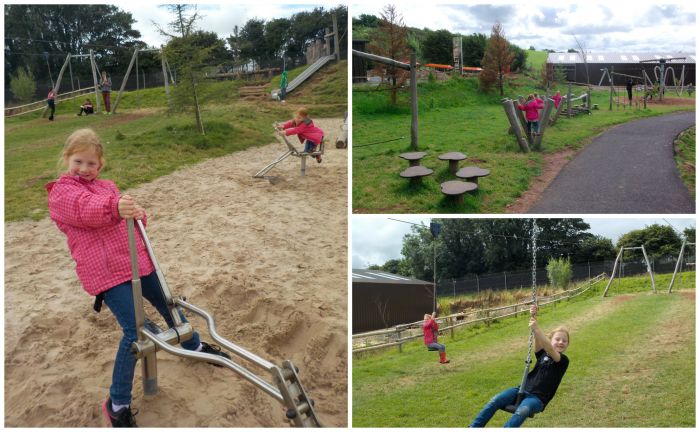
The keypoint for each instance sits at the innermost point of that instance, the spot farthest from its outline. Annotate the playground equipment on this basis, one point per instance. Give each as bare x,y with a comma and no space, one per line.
135,59
661,73
521,391
618,260
679,262
287,388
291,151
342,140
318,64
516,118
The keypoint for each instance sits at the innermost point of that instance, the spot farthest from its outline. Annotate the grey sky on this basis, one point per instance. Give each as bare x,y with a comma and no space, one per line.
217,17
376,238
640,26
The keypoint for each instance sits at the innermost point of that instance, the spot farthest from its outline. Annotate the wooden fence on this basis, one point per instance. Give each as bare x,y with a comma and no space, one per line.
401,334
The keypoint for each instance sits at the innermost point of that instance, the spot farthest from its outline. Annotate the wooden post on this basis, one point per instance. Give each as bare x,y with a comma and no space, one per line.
57,86
126,77
94,80
515,125
452,329
414,104
336,42
521,118
548,104
568,101
165,75
488,319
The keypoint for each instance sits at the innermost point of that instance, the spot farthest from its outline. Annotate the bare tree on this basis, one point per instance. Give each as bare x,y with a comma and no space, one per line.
391,40
584,56
497,60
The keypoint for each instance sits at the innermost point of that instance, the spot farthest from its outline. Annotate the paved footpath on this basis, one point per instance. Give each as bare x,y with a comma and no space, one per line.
628,169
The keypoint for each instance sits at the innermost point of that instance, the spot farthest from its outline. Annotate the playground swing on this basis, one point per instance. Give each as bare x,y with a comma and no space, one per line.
528,361
287,388
618,270
291,151
680,261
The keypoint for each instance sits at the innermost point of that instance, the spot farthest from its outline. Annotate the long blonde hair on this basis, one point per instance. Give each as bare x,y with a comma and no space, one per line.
82,140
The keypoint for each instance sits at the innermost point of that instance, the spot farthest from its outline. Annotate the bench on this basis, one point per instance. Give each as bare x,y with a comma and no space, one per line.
455,190
472,174
453,158
416,173
413,158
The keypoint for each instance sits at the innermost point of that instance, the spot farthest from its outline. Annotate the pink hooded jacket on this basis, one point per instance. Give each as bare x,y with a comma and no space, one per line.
86,212
430,331
557,100
305,131
531,108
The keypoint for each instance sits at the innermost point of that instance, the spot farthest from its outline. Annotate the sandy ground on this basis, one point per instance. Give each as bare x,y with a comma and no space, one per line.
267,257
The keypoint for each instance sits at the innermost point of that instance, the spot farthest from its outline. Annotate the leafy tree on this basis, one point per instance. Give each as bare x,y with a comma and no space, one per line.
251,40
390,40
23,86
437,47
519,58
595,248
689,233
473,49
365,20
497,60
658,240
559,272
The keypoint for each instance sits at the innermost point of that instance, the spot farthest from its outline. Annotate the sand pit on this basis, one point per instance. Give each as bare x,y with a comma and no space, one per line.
267,257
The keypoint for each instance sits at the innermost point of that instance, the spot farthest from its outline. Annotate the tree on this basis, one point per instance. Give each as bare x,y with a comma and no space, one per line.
187,58
23,86
437,47
519,58
559,272
497,60
473,49
365,20
595,248
689,233
658,240
390,40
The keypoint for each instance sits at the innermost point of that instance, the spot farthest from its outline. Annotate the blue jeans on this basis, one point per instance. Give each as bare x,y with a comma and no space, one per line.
437,346
530,404
530,125
120,301
309,146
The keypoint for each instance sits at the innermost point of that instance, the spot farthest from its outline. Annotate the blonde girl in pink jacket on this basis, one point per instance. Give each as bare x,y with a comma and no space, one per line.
91,212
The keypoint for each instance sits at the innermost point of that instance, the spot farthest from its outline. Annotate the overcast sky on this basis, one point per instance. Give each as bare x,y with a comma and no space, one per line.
217,17
376,238
612,26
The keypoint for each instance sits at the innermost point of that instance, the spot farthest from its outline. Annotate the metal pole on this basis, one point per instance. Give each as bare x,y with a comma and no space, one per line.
126,77
57,86
94,80
678,263
649,269
612,274
149,369
165,76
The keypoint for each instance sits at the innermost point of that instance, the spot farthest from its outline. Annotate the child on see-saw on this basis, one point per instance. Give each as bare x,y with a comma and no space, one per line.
302,126
542,381
91,213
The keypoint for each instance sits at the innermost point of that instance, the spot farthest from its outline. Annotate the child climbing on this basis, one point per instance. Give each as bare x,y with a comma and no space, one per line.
532,116
86,108
557,99
542,381
91,213
430,336
302,126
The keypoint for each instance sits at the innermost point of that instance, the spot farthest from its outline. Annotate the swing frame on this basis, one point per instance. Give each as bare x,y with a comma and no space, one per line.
618,259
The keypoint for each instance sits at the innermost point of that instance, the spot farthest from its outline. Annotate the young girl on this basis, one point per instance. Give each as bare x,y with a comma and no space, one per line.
91,213
557,99
532,116
430,336
106,89
304,127
542,381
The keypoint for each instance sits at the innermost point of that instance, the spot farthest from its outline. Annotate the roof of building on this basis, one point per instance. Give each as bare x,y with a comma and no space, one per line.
608,58
378,276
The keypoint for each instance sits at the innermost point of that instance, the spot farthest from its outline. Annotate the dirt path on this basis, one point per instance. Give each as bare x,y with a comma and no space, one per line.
268,258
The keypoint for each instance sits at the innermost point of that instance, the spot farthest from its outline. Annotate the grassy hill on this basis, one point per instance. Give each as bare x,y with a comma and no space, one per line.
455,116
143,141
632,364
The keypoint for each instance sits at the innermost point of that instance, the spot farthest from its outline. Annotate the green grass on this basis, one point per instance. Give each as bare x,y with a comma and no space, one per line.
144,144
632,365
455,116
685,158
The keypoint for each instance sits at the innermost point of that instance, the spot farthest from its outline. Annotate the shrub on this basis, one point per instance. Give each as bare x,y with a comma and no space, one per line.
23,86
559,272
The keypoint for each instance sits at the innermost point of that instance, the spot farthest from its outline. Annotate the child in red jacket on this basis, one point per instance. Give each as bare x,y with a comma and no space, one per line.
91,213
430,336
532,115
302,126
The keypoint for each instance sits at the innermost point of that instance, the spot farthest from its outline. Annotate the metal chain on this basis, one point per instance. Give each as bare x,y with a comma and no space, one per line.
534,287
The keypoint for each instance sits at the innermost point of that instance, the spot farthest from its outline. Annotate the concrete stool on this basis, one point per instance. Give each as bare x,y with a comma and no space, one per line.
454,158
472,174
413,158
455,190
416,173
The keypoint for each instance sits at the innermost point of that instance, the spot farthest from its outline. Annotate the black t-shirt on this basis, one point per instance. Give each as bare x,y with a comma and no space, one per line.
544,379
